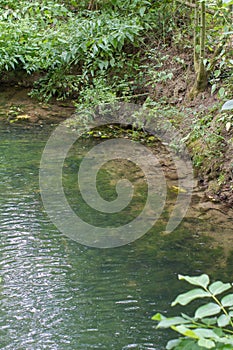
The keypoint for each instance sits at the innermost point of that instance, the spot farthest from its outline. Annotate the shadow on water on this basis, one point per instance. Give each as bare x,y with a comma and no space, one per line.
58,294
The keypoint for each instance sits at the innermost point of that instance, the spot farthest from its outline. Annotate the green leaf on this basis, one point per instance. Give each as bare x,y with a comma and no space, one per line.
142,10
158,317
185,298
219,332
226,340
209,321
207,310
228,126
101,65
171,321
223,320
188,344
213,88
206,343
187,317
206,333
227,105
221,92
201,281
219,287
185,331
172,343
227,2
227,300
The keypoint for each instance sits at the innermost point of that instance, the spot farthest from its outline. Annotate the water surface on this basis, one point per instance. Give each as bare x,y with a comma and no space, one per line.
58,294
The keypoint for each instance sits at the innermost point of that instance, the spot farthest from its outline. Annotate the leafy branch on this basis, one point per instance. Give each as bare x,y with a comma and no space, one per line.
212,324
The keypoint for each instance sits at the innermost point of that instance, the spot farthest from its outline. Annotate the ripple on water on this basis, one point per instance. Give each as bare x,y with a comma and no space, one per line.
56,294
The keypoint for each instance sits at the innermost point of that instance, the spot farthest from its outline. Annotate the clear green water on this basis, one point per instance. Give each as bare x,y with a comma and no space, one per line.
58,294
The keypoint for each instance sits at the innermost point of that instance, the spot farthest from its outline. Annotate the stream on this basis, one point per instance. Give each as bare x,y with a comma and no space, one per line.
58,294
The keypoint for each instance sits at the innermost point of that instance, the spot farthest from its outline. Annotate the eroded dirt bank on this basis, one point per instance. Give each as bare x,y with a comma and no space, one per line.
17,107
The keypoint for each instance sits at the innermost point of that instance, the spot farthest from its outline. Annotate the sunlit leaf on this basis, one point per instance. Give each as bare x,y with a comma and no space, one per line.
206,333
227,105
219,287
170,321
223,320
221,92
206,343
201,281
227,2
172,344
193,294
185,331
186,317
213,88
227,300
226,340
142,10
158,317
207,310
228,126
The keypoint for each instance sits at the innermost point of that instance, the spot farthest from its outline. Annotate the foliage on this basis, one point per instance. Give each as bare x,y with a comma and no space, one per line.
212,323
227,105
205,37
66,48
96,93
67,45
207,137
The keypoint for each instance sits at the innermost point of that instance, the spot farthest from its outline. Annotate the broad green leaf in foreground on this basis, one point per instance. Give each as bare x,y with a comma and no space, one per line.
219,287
158,317
206,343
209,321
207,310
226,340
185,331
168,322
223,320
185,298
201,281
172,344
227,300
206,333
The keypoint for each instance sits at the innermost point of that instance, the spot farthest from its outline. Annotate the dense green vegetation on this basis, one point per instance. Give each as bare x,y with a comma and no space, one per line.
72,46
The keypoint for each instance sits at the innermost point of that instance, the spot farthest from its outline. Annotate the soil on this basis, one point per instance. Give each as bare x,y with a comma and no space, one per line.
17,107
215,174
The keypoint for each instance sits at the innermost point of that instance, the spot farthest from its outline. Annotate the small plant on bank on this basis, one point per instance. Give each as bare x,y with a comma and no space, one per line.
211,327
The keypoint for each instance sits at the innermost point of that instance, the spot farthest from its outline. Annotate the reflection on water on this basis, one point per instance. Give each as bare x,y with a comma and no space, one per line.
57,294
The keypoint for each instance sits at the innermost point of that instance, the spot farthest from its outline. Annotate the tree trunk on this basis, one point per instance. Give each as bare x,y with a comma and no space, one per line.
200,69
195,37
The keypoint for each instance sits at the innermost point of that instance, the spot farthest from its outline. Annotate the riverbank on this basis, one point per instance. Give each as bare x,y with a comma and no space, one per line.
204,127
17,107
70,58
